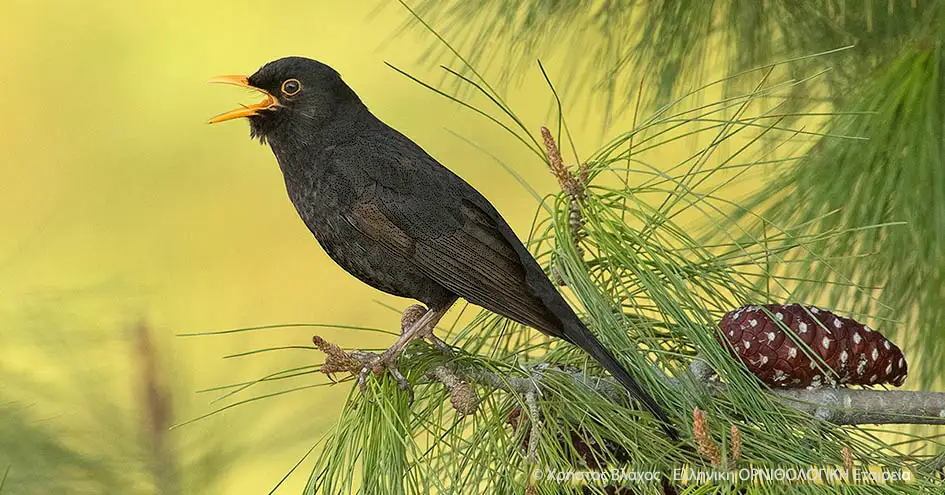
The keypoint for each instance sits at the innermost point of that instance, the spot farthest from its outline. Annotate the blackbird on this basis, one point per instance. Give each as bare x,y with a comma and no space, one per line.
398,220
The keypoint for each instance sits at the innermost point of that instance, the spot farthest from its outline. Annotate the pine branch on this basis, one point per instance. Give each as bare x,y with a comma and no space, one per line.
847,406
844,406
840,406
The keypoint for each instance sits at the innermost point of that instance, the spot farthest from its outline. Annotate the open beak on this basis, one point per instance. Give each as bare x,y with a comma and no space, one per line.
246,110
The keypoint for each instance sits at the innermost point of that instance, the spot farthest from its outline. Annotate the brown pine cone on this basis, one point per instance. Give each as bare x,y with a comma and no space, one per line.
854,353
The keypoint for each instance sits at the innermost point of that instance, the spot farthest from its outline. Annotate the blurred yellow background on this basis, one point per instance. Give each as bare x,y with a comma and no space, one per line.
118,203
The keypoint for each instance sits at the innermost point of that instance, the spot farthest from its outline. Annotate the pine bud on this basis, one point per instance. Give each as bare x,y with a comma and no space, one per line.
736,444
700,430
464,398
847,459
411,315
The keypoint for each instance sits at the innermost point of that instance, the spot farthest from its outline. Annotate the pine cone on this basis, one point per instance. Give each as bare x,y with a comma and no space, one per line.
854,353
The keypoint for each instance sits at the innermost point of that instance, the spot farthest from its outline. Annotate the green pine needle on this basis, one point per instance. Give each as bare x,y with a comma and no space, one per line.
896,181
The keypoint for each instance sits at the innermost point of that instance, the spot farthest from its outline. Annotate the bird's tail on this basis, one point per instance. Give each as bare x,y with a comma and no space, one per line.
607,360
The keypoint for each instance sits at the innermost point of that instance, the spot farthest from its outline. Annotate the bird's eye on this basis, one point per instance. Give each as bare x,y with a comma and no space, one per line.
291,87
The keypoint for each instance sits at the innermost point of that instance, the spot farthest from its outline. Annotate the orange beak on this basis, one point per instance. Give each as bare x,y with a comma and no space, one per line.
268,103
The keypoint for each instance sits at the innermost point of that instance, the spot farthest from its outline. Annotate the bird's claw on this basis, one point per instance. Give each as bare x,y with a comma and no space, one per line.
378,366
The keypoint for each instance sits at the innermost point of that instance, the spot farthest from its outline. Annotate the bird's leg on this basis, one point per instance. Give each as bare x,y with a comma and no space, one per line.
411,315
422,327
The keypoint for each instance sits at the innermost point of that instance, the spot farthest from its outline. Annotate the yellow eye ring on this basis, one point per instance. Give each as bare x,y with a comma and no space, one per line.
291,87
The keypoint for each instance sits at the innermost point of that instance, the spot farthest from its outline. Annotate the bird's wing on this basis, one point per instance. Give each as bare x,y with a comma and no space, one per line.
421,211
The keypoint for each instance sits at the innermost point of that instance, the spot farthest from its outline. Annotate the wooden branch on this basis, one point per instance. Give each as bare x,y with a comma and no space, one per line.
845,406
840,406
848,406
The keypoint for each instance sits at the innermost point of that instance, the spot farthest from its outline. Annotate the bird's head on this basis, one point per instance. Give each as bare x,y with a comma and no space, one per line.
300,95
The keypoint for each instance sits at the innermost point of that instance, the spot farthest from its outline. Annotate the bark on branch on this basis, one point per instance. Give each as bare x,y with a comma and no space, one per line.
848,406
840,406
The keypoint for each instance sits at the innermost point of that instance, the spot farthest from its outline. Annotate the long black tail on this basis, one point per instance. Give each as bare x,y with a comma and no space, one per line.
602,355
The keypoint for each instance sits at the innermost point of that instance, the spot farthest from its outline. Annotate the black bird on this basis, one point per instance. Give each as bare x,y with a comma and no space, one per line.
397,219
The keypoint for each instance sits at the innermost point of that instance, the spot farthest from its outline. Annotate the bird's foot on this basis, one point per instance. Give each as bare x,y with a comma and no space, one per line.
416,322
378,365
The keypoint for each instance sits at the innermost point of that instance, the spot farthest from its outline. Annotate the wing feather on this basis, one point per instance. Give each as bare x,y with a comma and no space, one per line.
438,226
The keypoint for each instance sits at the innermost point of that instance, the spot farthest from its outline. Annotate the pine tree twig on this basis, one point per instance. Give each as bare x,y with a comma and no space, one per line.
852,407
572,185
847,406
840,406
531,401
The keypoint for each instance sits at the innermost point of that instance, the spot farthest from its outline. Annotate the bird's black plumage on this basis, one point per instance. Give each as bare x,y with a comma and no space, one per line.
395,218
